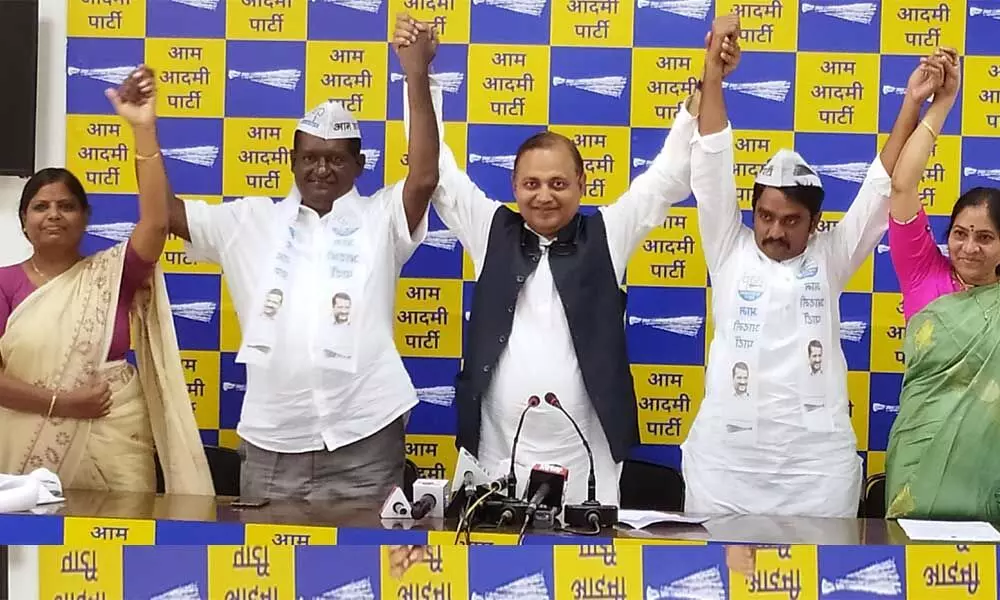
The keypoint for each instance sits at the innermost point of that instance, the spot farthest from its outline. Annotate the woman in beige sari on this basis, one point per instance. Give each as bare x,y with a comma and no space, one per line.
69,401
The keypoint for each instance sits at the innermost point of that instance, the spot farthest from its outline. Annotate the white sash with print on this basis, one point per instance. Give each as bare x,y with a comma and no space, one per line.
815,345
747,325
341,270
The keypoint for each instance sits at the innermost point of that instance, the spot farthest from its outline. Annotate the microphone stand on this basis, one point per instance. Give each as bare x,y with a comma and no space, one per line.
509,506
591,513
511,477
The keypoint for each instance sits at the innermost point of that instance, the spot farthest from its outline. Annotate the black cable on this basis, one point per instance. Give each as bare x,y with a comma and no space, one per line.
466,518
593,520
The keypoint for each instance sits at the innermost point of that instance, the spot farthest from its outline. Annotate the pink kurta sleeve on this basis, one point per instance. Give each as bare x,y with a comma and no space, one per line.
14,288
134,273
6,306
920,267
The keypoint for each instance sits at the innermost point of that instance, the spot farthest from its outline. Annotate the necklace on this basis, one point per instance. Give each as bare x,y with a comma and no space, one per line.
988,314
35,268
961,282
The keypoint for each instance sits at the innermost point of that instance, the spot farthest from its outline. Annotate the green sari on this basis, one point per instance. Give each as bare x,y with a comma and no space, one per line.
942,459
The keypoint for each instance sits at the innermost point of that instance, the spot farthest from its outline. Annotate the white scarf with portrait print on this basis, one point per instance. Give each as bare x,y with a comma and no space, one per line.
338,259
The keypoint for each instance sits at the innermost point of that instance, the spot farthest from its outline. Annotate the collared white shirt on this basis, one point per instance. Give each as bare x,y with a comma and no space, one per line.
539,356
293,405
794,461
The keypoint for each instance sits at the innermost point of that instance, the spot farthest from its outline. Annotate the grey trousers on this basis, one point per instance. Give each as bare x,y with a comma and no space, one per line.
367,469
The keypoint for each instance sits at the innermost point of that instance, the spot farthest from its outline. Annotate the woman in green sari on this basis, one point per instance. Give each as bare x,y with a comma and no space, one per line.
942,457
944,442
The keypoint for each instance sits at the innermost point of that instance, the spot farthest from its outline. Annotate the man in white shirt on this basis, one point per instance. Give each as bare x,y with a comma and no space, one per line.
323,416
785,446
548,312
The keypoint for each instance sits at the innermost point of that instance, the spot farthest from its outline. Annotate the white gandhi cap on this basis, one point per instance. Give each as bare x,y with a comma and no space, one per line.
787,168
330,121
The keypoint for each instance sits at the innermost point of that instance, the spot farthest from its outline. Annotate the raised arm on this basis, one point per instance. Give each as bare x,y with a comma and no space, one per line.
666,182
904,203
178,216
415,55
912,248
712,179
866,221
136,104
207,228
462,206
645,204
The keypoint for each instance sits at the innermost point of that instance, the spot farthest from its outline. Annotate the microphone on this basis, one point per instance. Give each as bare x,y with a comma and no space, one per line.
470,480
552,400
500,483
423,506
511,478
432,494
545,487
396,506
591,512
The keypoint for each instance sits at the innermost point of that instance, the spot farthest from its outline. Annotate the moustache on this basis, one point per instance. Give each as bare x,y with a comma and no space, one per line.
782,243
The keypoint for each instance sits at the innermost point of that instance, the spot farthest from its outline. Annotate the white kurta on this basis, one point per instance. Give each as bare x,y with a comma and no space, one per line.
539,356
294,405
773,435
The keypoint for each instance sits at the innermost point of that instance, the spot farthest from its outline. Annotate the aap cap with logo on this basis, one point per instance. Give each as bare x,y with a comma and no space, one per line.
330,121
787,168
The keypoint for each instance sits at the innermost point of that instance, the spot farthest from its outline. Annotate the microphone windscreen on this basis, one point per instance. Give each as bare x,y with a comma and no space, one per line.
554,476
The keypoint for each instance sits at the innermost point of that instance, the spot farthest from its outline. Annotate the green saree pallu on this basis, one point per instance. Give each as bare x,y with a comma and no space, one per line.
943,459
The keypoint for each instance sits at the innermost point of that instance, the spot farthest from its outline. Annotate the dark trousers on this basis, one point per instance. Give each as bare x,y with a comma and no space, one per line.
368,468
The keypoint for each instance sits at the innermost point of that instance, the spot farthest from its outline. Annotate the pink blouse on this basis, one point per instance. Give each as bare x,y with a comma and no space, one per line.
924,273
15,286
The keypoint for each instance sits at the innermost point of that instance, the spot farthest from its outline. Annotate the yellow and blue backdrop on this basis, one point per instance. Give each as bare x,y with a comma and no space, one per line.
825,77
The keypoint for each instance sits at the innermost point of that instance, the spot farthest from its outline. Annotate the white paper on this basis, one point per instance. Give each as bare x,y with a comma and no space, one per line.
639,519
951,531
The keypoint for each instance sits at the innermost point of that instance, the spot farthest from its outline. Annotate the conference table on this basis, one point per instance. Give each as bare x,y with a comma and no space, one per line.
105,546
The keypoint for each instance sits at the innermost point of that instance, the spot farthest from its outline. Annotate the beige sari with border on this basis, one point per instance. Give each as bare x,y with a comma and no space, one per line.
59,338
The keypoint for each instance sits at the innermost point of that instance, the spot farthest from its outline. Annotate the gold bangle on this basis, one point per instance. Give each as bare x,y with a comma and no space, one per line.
144,157
52,405
929,128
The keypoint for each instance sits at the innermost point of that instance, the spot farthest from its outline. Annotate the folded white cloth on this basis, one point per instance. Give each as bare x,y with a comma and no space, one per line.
24,492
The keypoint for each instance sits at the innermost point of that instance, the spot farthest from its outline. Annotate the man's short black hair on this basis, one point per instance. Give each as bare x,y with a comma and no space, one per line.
809,196
354,144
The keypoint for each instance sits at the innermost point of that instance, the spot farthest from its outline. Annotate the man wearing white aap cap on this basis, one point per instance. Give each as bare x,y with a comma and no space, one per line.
330,121
787,169
327,396
783,443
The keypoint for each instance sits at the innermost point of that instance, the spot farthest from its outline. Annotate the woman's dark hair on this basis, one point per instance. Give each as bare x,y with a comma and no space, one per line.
808,196
978,196
550,139
48,176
